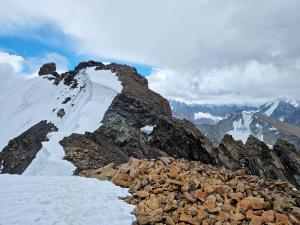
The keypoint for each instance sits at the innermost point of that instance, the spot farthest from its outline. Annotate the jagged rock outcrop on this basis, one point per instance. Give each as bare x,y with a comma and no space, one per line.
20,151
87,153
231,153
263,161
181,139
48,68
290,158
134,108
256,158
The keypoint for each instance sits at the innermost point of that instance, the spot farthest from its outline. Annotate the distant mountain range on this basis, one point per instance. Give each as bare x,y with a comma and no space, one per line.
206,113
272,120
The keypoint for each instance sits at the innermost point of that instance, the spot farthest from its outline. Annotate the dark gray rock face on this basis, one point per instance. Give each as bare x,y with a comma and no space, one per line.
263,161
231,154
20,151
86,152
181,139
48,68
290,158
256,158
135,107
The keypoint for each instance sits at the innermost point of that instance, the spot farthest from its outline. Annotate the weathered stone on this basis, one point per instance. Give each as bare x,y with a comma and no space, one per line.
201,215
61,113
237,217
188,219
268,216
153,216
47,68
208,188
170,221
296,212
281,218
256,220
252,203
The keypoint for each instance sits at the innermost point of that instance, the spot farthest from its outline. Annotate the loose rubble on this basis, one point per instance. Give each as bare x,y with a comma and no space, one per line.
175,191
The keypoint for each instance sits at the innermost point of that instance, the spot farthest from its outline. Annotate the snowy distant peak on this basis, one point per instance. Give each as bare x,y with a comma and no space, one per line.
280,109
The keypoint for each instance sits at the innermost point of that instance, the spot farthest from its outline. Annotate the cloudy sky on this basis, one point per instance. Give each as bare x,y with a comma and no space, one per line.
208,51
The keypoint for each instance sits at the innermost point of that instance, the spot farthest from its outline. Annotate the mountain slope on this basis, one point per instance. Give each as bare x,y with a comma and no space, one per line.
72,110
243,124
205,113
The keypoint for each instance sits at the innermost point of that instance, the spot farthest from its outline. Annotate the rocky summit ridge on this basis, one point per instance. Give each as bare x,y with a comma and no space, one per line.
175,174
170,191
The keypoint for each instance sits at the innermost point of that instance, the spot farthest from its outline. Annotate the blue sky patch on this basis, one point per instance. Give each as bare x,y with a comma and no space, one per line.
35,46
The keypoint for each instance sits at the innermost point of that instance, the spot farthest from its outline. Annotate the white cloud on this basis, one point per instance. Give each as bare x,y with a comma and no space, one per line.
10,67
14,61
34,63
251,82
205,49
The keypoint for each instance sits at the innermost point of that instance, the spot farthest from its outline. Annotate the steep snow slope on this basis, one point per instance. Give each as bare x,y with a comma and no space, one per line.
241,127
70,200
38,99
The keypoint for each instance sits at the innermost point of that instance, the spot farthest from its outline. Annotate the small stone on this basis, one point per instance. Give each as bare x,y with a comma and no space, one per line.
281,218
226,207
188,219
153,216
236,196
142,194
170,221
222,189
293,219
252,203
188,197
61,113
211,206
296,212
208,188
192,211
258,212
268,216
165,160
240,186
201,195
153,202
249,214
201,215
256,220
223,217
237,217
173,171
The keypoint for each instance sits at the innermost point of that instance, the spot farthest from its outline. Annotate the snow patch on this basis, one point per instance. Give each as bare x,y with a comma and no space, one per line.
271,107
241,128
272,128
147,129
52,200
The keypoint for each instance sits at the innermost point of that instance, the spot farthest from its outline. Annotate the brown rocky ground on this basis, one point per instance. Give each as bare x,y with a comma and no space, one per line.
174,191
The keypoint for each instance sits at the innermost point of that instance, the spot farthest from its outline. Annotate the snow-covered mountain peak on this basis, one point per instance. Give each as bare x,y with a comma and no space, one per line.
72,108
280,108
